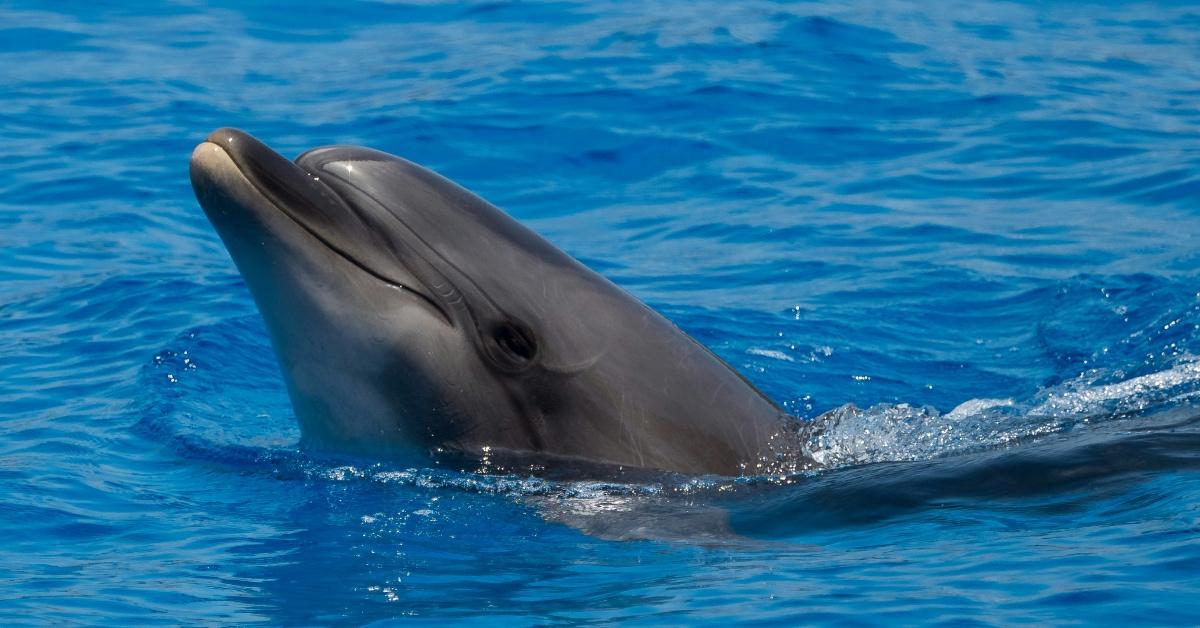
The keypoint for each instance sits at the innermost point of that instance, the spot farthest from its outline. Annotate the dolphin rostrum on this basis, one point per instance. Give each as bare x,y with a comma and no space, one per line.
409,316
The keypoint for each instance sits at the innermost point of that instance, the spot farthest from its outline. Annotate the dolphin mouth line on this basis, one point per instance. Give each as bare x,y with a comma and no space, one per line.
252,179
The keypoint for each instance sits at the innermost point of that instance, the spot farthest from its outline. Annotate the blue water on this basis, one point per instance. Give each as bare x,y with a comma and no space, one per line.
978,222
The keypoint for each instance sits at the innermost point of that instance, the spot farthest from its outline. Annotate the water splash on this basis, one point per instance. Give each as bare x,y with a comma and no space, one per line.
850,435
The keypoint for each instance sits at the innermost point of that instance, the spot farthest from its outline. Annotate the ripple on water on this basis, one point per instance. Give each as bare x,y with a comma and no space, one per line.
974,223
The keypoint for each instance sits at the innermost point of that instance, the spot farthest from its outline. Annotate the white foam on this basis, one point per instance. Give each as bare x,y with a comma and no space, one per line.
898,432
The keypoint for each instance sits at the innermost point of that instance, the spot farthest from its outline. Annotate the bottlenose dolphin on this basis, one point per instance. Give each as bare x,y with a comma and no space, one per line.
410,316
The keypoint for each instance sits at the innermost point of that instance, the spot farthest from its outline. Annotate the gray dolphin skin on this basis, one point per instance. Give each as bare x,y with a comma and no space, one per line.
410,316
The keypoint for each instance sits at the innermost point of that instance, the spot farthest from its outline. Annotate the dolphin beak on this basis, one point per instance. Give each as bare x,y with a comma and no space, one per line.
288,186
285,186
239,182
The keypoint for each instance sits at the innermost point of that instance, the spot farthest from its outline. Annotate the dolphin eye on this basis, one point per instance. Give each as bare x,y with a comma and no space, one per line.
516,343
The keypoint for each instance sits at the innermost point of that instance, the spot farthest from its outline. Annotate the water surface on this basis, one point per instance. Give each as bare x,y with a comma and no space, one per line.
975,222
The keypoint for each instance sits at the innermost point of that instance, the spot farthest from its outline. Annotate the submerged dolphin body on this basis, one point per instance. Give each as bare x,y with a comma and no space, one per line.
409,315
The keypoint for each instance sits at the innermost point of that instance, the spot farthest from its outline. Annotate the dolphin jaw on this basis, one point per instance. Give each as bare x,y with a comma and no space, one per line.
214,166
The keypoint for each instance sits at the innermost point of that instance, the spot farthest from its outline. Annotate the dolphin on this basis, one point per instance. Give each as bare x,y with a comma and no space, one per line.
411,317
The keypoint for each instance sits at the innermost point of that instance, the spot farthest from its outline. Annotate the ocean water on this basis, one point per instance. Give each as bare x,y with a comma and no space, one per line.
962,236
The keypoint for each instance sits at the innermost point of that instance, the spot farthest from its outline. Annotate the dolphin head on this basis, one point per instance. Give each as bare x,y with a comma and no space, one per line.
408,314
